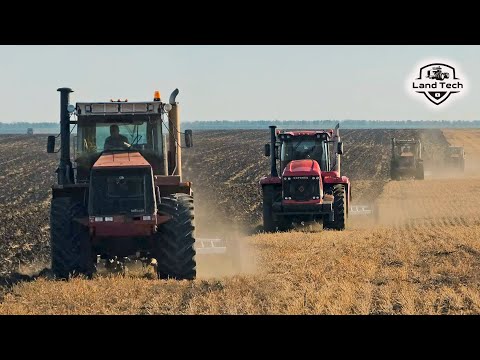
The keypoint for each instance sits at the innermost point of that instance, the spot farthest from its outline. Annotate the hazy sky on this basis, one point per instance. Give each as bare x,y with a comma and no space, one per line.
234,82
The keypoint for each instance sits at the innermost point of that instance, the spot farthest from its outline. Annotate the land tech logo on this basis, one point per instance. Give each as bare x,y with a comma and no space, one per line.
437,81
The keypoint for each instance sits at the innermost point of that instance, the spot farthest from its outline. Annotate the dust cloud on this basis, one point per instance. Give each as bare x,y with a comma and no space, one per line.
212,223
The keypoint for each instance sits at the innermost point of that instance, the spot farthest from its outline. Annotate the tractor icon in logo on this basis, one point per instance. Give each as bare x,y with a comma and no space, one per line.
436,74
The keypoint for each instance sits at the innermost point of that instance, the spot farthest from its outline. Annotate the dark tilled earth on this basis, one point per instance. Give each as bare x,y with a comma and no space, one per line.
224,166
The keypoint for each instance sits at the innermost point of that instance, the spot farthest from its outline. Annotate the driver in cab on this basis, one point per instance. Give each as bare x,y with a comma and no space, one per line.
116,140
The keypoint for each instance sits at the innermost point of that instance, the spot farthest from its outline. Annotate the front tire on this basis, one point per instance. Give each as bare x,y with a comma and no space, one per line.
71,250
175,241
393,172
340,210
269,225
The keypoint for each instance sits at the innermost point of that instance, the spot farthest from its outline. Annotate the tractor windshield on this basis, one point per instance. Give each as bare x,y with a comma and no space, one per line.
305,147
406,150
95,137
121,136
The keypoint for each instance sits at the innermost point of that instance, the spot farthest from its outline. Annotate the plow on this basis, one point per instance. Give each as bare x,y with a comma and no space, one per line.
206,246
361,210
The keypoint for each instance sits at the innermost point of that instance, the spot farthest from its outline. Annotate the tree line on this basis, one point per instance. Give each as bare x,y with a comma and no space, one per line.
53,127
328,124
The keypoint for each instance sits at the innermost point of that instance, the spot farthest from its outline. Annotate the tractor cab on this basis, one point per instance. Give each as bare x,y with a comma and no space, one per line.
120,126
304,145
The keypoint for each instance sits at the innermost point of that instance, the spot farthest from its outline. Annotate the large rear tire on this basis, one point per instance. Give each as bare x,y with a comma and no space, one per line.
285,224
340,210
175,241
269,225
71,250
419,172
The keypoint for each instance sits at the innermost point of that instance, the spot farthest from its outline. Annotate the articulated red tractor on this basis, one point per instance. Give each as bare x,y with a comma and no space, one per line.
310,186
122,197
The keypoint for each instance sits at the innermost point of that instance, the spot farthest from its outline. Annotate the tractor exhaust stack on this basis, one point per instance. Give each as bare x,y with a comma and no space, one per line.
175,158
65,170
273,163
336,141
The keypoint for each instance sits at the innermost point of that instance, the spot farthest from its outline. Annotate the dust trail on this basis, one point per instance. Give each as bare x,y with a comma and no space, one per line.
470,140
212,223
430,202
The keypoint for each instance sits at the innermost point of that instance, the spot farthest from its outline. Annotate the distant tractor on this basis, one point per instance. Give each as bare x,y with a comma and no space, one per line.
310,186
455,158
437,74
30,131
123,196
406,159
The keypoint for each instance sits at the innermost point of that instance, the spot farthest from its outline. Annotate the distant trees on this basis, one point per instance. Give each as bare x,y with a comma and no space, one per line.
345,124
21,127
52,127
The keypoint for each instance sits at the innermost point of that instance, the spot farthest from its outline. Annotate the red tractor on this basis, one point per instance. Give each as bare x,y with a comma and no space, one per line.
310,187
122,197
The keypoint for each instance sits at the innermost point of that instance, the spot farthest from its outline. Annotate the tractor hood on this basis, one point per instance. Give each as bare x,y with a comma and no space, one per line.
121,183
302,168
121,159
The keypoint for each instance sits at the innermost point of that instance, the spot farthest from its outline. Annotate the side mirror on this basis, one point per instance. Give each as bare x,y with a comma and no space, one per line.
340,148
188,138
51,144
267,150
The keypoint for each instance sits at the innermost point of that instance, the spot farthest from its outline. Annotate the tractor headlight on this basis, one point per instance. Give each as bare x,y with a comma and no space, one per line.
167,107
146,217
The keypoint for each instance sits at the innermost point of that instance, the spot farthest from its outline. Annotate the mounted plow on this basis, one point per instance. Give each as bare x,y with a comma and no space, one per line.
225,253
364,210
206,246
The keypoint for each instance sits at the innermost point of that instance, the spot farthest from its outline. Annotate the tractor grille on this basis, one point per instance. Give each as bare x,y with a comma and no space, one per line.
301,188
406,161
121,191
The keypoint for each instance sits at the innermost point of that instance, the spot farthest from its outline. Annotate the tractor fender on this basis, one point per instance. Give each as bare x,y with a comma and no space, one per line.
332,180
74,191
270,180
